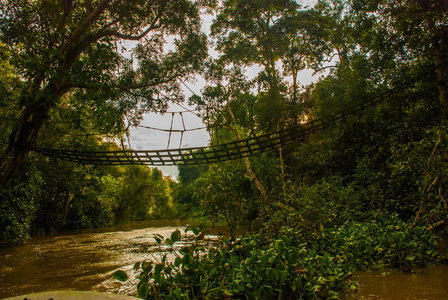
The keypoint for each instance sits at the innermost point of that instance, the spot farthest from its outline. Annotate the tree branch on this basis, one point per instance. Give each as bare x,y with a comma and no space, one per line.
89,20
88,5
133,37
323,68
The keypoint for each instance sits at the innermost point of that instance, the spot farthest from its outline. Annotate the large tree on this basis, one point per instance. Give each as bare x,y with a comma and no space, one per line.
251,33
282,39
421,29
71,49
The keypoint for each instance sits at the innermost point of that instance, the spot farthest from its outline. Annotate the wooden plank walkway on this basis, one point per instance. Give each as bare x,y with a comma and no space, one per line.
212,154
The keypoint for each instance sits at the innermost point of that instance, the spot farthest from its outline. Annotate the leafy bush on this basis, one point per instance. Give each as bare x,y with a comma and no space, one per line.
385,241
423,165
285,266
16,212
225,193
249,268
18,203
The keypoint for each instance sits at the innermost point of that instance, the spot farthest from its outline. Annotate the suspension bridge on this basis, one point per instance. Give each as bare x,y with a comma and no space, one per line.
215,153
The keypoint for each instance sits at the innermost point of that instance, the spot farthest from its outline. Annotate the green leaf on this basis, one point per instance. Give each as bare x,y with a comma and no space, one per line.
167,269
333,295
143,290
195,230
158,238
283,276
177,262
184,251
286,240
120,275
146,266
176,236
143,277
169,242
158,268
279,245
136,266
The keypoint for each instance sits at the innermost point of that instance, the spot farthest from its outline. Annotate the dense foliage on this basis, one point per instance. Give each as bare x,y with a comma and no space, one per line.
286,266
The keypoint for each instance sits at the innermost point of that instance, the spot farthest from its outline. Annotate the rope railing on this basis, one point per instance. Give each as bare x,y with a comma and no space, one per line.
215,153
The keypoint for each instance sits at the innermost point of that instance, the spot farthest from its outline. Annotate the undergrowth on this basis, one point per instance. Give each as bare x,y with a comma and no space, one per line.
285,266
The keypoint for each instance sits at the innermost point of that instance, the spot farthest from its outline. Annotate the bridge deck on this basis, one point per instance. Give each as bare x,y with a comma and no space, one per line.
212,154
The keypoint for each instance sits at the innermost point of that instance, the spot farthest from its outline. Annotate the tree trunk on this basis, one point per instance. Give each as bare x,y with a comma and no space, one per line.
68,199
21,141
441,82
276,94
282,166
33,116
246,160
435,44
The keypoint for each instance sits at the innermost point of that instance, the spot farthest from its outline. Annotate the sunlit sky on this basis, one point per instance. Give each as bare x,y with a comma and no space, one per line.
149,139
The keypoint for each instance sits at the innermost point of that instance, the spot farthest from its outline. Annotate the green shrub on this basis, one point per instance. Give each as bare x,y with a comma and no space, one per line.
285,266
385,241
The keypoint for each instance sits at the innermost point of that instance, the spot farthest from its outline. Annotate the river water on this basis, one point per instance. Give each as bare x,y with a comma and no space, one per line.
81,260
390,284
84,260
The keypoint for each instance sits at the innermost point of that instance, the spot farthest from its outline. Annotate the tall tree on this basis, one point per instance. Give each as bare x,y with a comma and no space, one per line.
335,18
304,46
232,87
250,33
421,27
247,34
72,47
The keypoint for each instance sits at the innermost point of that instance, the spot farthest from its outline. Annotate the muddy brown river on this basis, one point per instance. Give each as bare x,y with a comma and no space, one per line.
84,260
81,260
391,284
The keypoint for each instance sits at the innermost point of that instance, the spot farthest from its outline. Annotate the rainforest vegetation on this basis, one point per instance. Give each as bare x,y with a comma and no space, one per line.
367,192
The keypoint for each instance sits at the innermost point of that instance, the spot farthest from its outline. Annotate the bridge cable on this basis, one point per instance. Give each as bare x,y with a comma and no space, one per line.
229,151
171,128
182,133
